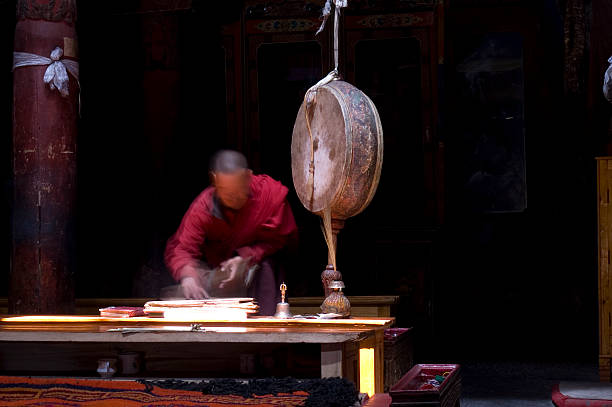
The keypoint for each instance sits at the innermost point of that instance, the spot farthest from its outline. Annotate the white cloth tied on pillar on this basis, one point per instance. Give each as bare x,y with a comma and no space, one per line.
607,86
56,74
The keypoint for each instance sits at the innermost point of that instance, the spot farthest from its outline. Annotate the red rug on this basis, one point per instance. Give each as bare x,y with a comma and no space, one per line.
26,391
582,394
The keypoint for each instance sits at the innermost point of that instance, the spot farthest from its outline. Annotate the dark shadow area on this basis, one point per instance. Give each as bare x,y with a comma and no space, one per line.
7,32
518,276
150,121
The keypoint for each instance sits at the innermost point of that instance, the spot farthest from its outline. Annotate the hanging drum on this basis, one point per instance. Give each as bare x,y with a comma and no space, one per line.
336,165
336,158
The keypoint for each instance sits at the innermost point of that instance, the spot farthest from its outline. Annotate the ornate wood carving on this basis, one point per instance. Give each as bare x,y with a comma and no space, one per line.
381,6
50,10
285,25
574,32
489,3
164,5
256,9
418,19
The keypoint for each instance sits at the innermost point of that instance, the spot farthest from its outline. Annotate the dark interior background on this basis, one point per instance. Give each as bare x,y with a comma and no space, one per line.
513,271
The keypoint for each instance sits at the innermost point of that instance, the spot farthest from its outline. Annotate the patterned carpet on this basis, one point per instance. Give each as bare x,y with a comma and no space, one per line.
25,391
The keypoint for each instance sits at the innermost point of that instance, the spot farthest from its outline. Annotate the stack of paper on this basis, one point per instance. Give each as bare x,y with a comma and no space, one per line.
208,309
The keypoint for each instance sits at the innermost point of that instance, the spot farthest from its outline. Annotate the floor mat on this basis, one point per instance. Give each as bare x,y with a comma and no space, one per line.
29,391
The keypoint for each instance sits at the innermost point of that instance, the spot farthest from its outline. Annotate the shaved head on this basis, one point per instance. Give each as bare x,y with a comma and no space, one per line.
231,177
228,162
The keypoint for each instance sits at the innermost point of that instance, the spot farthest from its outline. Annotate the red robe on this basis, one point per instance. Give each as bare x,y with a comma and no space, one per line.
210,233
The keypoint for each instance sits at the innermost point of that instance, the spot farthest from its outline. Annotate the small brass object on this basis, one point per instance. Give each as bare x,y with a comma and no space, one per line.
282,308
336,302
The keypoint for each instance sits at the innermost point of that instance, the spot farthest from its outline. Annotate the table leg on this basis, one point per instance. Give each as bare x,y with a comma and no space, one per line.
371,375
331,360
336,361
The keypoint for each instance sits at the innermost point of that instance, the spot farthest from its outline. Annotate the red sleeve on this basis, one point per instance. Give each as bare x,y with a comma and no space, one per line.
185,247
276,232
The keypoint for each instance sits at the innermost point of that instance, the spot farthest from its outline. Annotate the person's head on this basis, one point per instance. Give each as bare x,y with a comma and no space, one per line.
231,177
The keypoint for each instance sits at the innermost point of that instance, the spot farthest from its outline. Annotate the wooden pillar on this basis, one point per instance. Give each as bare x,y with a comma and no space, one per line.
44,165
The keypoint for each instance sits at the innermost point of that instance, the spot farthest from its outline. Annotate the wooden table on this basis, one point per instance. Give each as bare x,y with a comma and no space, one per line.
350,348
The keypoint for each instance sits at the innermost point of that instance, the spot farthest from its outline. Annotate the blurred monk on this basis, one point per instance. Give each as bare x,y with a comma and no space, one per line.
241,220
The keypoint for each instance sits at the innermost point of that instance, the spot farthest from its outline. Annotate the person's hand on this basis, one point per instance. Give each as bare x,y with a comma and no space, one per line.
231,266
192,290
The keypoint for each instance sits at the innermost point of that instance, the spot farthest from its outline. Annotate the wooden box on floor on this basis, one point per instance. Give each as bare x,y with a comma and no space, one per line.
398,354
412,389
604,229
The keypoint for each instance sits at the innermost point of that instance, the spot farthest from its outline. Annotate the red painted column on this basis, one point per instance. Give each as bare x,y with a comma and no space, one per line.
44,165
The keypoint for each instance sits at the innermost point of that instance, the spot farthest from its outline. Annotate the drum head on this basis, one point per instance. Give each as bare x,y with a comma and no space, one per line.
331,147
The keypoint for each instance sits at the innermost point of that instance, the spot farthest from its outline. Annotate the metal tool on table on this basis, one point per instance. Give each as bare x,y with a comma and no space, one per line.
282,308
